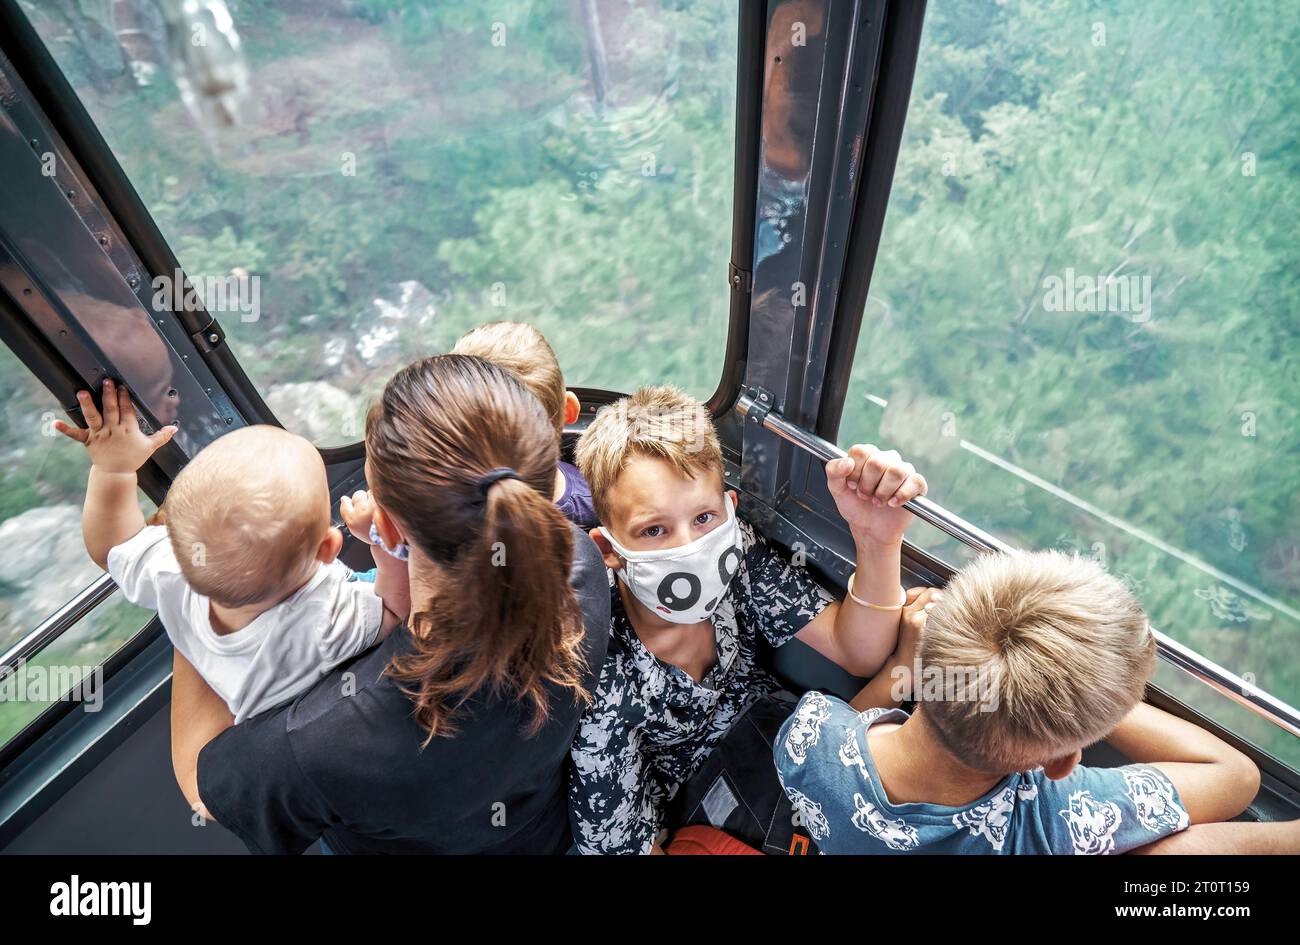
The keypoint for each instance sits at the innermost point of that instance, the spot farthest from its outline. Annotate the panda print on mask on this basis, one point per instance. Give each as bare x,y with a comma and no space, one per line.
684,584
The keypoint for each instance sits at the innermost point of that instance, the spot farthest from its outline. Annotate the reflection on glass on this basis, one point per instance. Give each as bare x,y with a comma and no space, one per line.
409,170
136,350
1082,322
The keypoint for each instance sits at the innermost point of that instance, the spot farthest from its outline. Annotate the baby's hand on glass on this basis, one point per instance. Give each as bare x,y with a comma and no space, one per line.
358,513
114,439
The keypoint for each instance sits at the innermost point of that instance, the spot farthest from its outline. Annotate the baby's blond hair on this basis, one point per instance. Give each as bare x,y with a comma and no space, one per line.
1062,648
247,515
523,351
660,422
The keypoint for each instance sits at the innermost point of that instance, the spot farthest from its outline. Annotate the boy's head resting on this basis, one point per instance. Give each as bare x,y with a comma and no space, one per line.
1064,649
640,449
524,351
249,517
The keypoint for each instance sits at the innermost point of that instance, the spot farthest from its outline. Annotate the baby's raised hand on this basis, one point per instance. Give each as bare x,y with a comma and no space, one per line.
869,487
114,439
358,514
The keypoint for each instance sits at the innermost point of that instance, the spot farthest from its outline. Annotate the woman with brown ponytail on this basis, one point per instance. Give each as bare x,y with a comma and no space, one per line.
451,736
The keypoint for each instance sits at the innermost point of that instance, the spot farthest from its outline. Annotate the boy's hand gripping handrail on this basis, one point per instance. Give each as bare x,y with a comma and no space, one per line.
1189,661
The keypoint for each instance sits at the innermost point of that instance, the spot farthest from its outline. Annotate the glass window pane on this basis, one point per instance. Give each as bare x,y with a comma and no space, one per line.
1082,325
43,561
408,170
1235,718
70,664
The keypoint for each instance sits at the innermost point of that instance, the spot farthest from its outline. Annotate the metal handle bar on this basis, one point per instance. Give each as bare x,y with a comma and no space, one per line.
1170,650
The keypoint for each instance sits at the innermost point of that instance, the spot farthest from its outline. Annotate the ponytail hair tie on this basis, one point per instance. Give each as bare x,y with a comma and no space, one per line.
488,480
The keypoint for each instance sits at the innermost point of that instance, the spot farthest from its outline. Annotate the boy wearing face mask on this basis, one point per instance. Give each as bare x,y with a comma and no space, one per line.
692,590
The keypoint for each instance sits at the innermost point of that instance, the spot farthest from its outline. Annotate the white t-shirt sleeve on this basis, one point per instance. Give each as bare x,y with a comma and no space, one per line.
355,614
141,564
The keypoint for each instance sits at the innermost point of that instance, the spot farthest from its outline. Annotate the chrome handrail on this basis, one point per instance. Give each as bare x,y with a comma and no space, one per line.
1194,664
67,616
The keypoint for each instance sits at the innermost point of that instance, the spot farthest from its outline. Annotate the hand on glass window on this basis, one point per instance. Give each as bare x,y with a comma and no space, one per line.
114,439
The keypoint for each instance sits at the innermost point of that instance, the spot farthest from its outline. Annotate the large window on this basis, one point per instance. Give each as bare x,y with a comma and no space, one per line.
1083,321
43,563
407,170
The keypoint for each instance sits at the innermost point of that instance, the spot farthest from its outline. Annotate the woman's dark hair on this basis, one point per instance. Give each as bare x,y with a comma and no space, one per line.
505,617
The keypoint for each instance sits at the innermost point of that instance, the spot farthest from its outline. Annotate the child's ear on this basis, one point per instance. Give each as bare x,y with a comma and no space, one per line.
612,560
1060,768
387,528
571,408
734,497
330,546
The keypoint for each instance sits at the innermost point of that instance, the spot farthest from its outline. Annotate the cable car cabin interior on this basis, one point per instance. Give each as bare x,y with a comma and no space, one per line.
1035,247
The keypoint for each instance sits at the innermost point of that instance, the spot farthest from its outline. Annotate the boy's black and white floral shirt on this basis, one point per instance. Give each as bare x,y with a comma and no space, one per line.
650,724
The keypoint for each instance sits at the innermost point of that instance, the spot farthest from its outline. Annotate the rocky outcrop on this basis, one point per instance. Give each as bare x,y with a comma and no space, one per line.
323,413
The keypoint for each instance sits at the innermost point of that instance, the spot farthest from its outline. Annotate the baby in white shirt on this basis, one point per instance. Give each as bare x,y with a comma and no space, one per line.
244,573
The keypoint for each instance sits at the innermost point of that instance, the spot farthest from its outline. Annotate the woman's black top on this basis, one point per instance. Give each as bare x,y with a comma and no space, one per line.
344,760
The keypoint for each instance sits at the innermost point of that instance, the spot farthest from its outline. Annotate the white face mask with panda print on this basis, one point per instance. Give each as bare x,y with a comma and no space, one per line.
684,584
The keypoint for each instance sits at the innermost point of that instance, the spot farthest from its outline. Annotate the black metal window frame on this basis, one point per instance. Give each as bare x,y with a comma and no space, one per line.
107,186
800,358
819,220
63,351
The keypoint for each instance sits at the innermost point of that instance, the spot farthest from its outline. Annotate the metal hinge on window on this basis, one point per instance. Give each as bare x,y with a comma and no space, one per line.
740,279
210,337
759,402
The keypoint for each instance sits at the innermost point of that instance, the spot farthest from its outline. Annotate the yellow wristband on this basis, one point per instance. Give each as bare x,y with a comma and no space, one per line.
859,600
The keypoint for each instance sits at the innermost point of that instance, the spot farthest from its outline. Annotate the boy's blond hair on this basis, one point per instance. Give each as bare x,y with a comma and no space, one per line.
523,351
660,422
247,515
1062,648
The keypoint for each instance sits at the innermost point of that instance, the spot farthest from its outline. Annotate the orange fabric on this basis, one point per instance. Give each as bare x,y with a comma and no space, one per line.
699,840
